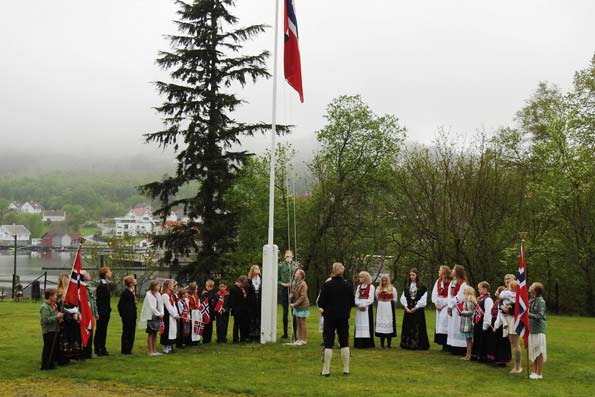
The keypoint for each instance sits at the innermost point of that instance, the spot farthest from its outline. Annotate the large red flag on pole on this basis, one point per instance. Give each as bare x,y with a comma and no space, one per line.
76,295
521,314
291,60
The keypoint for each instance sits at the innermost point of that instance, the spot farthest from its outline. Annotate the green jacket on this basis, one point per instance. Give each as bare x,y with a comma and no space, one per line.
49,321
91,297
285,272
537,322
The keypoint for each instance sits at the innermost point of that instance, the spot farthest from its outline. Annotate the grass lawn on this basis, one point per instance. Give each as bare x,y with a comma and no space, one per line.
279,370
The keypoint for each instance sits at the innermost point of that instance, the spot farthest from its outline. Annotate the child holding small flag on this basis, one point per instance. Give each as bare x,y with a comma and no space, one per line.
482,332
467,308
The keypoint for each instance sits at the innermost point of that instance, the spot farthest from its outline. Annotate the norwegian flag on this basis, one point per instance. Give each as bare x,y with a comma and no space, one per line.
198,327
521,314
203,308
219,305
478,314
291,60
76,295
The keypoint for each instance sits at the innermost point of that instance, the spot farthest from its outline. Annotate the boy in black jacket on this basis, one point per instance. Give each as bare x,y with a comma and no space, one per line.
103,310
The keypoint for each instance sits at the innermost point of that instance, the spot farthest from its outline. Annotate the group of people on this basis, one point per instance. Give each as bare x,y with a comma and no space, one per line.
480,328
413,299
181,316
60,320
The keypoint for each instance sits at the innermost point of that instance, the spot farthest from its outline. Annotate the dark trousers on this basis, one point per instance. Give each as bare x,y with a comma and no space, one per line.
241,325
284,291
87,351
49,350
128,334
341,326
101,334
207,332
221,324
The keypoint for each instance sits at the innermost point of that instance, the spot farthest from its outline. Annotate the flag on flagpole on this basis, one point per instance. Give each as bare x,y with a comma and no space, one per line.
521,314
76,295
291,60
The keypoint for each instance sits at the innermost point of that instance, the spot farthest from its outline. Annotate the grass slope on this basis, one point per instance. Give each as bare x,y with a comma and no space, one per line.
276,369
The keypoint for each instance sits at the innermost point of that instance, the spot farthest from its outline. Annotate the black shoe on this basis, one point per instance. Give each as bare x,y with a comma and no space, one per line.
325,375
346,373
284,336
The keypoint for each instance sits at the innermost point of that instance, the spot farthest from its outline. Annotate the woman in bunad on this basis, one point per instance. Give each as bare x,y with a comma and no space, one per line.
254,288
440,300
482,325
364,317
170,316
386,324
456,342
414,299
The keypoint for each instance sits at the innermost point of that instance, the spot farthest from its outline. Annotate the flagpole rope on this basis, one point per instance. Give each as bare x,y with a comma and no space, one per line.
288,211
295,240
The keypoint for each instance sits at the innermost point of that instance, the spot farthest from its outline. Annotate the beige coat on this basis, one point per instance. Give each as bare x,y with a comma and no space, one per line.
300,295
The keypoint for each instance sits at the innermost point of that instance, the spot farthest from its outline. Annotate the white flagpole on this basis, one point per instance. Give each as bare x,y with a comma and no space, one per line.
268,329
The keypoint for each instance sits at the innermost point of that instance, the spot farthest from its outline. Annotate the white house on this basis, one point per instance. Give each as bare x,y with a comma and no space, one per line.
14,206
7,233
31,207
138,221
54,216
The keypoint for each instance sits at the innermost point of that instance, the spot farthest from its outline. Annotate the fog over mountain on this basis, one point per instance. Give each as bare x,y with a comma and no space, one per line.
76,91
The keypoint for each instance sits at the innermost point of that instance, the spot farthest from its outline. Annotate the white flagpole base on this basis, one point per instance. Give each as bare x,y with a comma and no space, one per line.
268,311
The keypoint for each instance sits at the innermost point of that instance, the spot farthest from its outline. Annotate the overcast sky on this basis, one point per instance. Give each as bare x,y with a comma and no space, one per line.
76,74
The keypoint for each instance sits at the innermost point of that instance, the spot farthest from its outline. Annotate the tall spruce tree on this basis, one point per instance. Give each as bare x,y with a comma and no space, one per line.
205,64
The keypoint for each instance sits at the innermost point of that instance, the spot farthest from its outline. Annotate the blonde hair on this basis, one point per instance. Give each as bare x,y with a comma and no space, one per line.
63,281
338,269
251,272
210,283
513,285
366,276
182,292
509,277
469,295
387,288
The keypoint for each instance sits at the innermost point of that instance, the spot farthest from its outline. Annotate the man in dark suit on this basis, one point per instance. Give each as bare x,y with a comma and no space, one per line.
335,301
103,310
